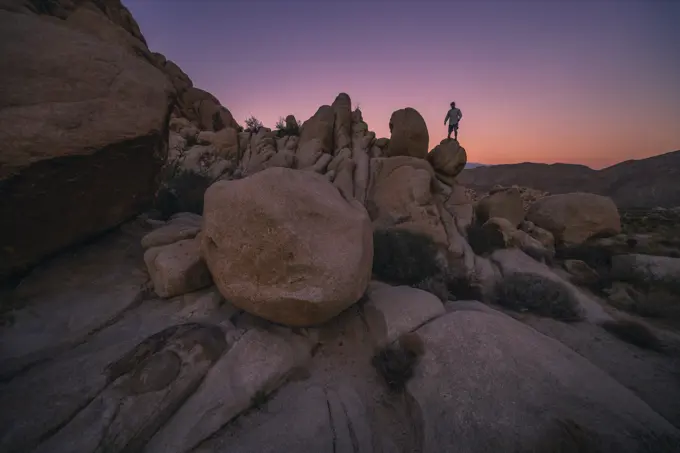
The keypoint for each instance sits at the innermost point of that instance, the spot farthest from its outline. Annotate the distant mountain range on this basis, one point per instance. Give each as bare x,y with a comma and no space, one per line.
473,165
650,182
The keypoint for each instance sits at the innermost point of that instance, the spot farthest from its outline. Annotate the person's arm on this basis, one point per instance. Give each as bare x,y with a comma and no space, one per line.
460,115
447,117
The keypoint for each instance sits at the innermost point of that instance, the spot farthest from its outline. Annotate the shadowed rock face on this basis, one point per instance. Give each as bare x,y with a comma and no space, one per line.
77,196
84,136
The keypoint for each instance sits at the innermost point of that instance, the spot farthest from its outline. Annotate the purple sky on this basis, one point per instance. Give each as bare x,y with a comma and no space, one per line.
582,81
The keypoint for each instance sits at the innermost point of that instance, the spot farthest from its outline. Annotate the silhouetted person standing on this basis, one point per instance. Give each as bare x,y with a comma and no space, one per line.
453,117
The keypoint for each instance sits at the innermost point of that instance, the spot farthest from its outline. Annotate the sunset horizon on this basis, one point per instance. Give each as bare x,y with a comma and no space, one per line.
590,83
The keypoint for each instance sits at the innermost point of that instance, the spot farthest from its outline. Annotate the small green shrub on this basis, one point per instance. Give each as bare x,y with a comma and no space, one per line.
533,293
634,333
402,257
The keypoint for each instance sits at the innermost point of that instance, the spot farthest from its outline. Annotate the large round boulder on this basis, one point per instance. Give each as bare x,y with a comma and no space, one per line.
448,158
409,134
285,245
506,203
83,137
575,217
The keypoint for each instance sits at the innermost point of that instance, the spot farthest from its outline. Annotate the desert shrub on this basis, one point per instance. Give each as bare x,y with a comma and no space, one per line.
533,293
481,241
465,289
283,129
396,362
435,285
258,399
173,166
253,124
183,193
402,257
634,333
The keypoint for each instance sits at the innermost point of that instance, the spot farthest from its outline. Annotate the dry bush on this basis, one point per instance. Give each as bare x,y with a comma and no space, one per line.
402,257
253,124
634,333
533,293
183,193
283,129
481,242
396,362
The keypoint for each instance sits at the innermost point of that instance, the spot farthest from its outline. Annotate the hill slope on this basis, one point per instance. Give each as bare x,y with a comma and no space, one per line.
633,183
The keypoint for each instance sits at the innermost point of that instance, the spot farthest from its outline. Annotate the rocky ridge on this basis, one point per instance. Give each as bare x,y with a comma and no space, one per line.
627,183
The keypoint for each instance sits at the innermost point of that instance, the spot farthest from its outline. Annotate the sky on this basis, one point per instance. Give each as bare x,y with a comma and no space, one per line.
593,82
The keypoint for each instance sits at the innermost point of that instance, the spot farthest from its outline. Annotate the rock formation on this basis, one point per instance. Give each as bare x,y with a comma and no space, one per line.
576,217
505,203
78,111
409,134
256,322
448,159
265,240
